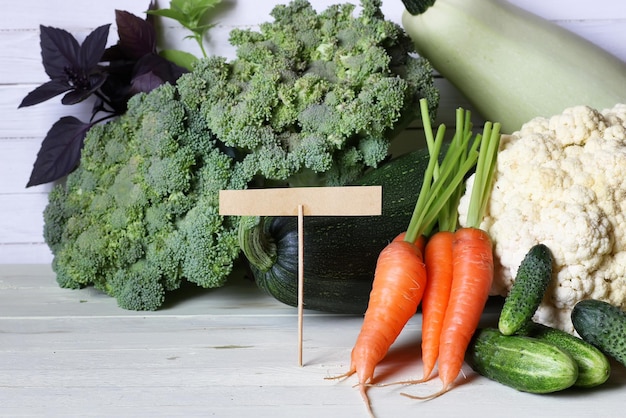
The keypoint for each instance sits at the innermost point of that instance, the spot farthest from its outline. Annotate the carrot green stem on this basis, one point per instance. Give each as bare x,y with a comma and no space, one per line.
439,198
447,219
430,139
416,225
484,174
442,181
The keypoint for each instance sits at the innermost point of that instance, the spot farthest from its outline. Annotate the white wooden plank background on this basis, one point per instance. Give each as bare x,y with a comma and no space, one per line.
21,131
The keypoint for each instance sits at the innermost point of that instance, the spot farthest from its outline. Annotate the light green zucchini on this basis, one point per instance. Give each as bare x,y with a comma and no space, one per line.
510,64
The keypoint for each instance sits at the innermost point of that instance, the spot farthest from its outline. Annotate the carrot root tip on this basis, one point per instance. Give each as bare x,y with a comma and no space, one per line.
341,376
362,389
366,399
428,397
401,382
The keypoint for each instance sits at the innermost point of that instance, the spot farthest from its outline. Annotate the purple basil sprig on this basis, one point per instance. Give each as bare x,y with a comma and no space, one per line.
79,71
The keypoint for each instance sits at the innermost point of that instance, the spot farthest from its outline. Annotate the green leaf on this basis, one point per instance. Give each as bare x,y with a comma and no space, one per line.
189,13
205,28
182,58
169,13
194,7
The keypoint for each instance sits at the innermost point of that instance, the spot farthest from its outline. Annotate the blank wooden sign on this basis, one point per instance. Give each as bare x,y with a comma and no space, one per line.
301,202
316,201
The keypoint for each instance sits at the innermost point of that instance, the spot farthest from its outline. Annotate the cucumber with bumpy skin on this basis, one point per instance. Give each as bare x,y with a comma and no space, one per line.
523,363
532,279
593,366
602,325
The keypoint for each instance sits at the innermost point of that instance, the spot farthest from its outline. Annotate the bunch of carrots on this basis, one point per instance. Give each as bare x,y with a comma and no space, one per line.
449,271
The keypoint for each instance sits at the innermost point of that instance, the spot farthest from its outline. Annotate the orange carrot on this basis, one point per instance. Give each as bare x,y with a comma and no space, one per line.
420,243
472,270
438,250
438,255
400,274
473,274
400,278
438,258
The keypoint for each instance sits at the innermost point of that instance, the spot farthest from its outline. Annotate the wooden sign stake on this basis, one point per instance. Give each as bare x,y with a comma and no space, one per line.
300,280
301,201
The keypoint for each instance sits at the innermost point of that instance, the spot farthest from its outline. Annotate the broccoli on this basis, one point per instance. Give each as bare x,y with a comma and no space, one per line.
139,215
308,90
309,99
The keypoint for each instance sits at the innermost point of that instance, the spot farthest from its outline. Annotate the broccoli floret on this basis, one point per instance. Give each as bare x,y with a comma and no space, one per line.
139,214
56,214
307,86
138,287
310,99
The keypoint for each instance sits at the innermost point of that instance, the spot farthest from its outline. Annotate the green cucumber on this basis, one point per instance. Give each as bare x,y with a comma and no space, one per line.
340,252
523,363
593,366
532,279
602,325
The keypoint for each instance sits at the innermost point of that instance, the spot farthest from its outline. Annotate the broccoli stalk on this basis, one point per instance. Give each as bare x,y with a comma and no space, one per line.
310,99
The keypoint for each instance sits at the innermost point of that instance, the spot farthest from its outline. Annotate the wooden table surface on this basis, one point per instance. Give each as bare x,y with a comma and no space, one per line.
229,352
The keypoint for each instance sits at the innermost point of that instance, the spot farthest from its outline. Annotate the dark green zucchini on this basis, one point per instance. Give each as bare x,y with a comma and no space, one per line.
340,252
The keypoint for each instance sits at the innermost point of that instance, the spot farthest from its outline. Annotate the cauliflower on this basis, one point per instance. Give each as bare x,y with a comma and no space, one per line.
560,181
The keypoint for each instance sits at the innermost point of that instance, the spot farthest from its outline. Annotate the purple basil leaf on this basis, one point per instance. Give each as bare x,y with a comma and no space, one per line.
60,151
93,47
44,92
113,53
119,73
153,70
78,94
59,50
99,106
117,89
137,37
149,17
146,82
75,96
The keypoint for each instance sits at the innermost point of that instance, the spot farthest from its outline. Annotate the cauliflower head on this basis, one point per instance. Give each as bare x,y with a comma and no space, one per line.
560,181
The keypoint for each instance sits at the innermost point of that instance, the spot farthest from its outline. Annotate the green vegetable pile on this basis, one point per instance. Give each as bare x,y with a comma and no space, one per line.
310,99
